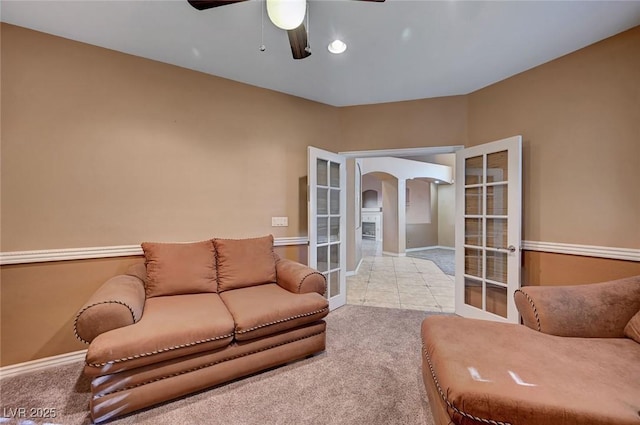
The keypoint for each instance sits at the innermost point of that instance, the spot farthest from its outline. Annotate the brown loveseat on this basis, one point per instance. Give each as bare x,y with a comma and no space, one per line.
575,361
196,315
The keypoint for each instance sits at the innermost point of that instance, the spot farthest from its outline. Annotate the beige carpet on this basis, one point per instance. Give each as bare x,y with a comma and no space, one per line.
369,374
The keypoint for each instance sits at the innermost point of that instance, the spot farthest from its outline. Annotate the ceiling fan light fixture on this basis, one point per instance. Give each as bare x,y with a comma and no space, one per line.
286,14
337,46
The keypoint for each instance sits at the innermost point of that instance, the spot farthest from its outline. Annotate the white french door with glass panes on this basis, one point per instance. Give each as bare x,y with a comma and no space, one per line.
488,229
327,221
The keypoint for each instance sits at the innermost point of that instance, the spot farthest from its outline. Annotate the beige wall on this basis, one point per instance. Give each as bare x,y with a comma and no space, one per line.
447,215
579,117
102,148
390,220
39,302
544,268
421,235
371,182
418,123
446,204
419,202
422,214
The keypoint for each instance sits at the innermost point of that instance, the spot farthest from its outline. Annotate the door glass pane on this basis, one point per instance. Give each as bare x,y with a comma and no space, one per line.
334,231
334,283
334,256
497,167
473,292
473,262
473,201
497,266
473,170
497,300
323,260
497,233
322,201
335,174
322,172
473,231
335,201
497,200
323,230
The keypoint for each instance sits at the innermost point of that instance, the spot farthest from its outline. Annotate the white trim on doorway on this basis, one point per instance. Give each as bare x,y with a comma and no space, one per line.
399,153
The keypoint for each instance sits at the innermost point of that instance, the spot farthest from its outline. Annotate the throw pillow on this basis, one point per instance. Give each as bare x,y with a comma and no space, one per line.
245,262
632,330
179,268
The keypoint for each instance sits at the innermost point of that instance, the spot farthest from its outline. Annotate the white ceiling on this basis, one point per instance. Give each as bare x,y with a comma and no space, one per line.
397,50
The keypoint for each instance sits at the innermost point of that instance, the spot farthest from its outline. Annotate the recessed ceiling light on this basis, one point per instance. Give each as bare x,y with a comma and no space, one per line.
337,47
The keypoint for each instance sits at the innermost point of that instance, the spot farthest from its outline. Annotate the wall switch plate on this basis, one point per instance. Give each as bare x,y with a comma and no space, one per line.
279,221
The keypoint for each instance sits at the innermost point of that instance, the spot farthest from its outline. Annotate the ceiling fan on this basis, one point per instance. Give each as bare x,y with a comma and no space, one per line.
285,14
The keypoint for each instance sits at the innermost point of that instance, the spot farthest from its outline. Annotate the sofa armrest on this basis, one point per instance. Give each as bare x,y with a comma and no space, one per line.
298,278
597,310
117,303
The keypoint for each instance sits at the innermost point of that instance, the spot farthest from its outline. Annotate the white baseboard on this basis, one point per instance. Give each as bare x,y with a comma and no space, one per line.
628,254
358,266
354,272
430,247
394,254
41,364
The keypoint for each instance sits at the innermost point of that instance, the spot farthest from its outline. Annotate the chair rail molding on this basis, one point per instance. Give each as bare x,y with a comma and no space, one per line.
64,254
628,254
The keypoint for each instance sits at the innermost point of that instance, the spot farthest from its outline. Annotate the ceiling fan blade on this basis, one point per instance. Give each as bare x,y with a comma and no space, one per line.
208,4
298,41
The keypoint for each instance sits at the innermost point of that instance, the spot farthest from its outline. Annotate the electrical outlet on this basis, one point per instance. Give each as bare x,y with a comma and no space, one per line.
279,221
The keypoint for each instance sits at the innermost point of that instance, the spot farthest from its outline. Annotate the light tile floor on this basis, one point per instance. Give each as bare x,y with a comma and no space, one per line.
400,282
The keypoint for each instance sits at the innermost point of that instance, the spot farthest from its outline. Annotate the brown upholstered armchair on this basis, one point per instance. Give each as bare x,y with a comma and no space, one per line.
576,360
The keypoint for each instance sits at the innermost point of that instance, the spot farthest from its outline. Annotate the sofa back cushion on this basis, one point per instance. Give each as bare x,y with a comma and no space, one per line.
179,268
632,330
245,262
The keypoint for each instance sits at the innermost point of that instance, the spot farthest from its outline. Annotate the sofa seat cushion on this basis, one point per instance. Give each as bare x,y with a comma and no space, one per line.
512,374
267,309
170,327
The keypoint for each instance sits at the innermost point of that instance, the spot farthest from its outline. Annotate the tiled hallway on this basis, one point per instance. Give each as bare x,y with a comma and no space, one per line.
400,282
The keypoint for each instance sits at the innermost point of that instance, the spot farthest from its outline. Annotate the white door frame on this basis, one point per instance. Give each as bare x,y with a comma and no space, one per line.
401,153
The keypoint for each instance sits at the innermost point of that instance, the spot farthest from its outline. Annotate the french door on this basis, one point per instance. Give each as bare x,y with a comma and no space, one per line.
488,229
327,221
